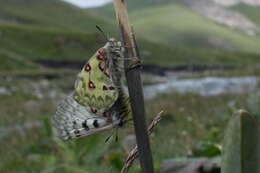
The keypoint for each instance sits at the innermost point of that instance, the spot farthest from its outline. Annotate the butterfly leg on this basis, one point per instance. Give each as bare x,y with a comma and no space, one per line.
133,62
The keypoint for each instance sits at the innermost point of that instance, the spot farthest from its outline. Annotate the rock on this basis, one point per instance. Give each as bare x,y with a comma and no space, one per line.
191,165
222,15
4,91
129,143
235,2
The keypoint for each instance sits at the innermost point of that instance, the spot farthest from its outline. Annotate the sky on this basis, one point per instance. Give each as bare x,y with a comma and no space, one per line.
88,3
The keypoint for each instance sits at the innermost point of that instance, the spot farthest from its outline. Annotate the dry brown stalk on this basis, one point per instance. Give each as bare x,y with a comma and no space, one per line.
134,153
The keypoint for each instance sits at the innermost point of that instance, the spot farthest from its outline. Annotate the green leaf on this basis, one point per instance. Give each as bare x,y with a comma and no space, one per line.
206,150
241,151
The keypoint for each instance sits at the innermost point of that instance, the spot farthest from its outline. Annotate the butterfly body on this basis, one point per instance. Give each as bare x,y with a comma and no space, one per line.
98,102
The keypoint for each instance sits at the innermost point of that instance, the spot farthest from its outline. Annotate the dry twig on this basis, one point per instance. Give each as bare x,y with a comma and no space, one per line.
134,153
135,88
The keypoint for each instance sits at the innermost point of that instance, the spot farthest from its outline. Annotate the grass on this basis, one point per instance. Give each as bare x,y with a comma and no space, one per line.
59,15
156,24
28,33
21,45
190,120
228,73
36,43
252,12
134,5
10,61
24,43
172,23
153,53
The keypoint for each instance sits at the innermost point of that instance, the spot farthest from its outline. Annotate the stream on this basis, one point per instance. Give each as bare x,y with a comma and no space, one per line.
207,86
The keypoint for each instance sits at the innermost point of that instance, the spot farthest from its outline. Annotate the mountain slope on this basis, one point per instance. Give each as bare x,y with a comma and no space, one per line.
175,24
49,29
31,43
32,30
21,46
50,14
252,12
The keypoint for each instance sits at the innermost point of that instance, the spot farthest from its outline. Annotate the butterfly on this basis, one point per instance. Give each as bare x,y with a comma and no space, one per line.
98,102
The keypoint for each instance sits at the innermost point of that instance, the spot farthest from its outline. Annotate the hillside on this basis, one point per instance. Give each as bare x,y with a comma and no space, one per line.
33,30
236,2
50,14
19,53
49,29
177,25
222,15
252,12
22,44
173,22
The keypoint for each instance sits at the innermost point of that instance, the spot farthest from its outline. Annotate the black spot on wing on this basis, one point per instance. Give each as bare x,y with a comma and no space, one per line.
76,132
121,123
85,126
95,124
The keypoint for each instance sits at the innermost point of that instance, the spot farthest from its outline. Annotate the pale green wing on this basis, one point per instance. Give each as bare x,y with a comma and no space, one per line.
94,87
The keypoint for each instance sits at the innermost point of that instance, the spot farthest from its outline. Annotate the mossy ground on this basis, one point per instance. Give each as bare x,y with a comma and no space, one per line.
190,120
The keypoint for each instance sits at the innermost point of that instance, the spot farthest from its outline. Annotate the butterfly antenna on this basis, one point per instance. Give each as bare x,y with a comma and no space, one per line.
102,32
108,138
111,135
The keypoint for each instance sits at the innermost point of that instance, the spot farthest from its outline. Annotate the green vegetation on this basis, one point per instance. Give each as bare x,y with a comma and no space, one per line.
50,14
21,45
177,25
190,121
32,30
249,11
10,61
153,53
241,144
50,30
172,23
36,43
29,33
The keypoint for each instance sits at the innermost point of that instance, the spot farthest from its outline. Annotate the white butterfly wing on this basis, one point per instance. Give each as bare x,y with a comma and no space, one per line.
72,120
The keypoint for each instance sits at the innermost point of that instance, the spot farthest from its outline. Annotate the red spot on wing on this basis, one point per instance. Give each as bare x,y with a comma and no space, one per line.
101,57
87,68
105,87
109,118
106,114
101,66
93,110
102,51
111,88
91,84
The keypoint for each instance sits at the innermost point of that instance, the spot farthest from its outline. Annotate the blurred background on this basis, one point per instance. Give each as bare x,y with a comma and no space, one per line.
200,64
